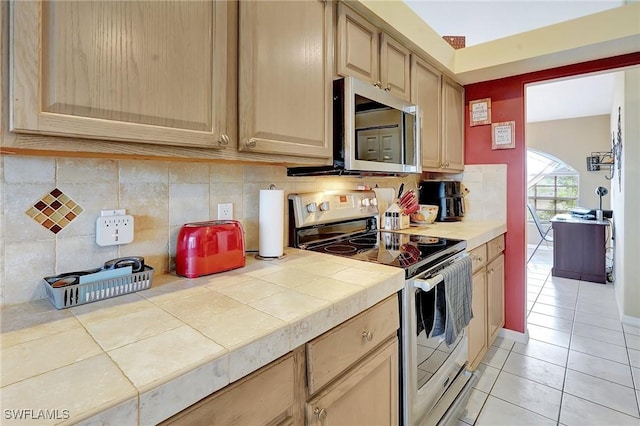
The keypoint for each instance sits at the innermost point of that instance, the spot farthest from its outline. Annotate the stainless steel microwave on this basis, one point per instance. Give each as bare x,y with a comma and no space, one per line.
373,133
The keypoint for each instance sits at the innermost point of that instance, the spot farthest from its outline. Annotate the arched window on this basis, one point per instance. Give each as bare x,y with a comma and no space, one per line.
552,185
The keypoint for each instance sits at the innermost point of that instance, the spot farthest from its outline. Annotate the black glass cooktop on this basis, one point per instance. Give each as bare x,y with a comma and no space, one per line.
414,253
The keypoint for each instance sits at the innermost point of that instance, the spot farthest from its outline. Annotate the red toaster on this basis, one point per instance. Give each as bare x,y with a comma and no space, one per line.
205,248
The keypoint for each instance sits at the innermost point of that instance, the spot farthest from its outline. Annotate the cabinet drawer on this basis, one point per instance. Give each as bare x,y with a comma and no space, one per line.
336,350
478,257
495,247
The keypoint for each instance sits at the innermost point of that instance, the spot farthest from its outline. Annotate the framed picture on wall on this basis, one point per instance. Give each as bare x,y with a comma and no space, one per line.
480,112
503,135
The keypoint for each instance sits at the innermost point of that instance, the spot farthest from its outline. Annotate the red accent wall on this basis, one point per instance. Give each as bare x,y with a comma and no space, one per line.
508,104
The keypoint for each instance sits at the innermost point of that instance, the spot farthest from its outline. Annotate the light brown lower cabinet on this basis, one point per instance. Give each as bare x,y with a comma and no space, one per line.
495,297
366,395
352,370
488,298
346,376
477,329
272,395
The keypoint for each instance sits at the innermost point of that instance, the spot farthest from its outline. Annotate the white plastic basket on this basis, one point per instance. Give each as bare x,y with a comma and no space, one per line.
79,294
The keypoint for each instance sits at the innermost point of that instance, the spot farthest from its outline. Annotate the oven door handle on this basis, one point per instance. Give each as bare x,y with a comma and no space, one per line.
428,284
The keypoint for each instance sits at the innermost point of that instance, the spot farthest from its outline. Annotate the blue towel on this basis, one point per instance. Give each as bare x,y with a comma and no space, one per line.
453,300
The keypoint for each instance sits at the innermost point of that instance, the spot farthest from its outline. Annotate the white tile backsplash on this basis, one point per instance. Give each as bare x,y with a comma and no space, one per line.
487,198
188,202
24,170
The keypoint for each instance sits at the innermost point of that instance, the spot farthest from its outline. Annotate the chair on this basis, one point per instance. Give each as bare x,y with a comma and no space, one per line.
544,233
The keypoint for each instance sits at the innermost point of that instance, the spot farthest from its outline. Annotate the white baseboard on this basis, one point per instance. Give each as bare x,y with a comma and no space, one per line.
629,320
515,335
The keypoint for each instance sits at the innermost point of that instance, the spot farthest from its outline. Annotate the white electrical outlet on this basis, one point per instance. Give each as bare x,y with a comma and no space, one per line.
112,230
225,211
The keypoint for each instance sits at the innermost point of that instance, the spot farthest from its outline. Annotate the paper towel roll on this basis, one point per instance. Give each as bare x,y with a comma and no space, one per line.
271,223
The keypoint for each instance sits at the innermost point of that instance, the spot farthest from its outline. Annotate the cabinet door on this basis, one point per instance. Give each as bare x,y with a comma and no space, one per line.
252,400
127,71
358,48
366,395
477,329
495,297
588,263
395,61
453,125
285,85
426,93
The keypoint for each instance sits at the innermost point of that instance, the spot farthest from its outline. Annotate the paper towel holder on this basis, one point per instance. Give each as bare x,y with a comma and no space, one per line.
257,256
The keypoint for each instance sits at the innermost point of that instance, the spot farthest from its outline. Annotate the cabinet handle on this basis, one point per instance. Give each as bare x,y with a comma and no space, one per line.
367,335
223,140
251,143
476,258
388,88
320,413
490,271
378,84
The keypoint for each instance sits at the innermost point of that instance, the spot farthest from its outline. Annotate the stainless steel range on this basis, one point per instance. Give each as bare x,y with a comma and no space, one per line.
434,381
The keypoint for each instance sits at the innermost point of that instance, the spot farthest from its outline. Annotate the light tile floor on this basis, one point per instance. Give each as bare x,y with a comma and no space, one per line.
581,365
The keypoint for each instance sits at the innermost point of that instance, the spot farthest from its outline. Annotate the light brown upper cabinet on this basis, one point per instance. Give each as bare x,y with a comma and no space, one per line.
285,77
366,53
441,103
137,71
426,92
452,125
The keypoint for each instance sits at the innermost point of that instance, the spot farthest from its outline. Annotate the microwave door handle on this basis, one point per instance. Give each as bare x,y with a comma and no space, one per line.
426,284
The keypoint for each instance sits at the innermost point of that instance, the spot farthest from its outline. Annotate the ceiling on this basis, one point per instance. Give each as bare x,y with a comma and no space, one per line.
482,21
570,98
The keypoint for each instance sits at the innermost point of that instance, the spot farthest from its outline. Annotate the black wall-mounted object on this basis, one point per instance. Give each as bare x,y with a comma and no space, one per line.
593,163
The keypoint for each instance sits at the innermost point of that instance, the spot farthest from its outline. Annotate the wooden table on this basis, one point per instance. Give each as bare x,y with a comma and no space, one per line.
579,248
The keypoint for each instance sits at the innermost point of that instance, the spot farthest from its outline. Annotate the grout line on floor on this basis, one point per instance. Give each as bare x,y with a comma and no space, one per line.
585,294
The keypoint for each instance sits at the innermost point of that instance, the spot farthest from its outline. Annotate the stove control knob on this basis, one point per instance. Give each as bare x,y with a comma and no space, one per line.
312,207
374,201
324,206
366,202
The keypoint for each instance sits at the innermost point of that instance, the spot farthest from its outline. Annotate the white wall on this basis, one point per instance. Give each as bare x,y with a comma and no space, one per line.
625,198
572,140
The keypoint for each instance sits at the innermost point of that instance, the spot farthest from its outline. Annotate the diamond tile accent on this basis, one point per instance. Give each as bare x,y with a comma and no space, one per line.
54,210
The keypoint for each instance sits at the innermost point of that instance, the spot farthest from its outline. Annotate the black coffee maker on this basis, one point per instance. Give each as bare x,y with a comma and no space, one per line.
447,195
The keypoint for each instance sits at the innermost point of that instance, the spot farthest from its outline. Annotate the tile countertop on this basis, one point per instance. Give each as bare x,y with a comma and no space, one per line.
142,357
475,233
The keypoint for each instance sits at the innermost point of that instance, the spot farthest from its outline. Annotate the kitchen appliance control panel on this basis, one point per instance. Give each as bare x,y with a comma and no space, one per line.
330,206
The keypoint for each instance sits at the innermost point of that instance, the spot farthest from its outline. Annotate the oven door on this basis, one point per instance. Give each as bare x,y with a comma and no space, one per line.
436,385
